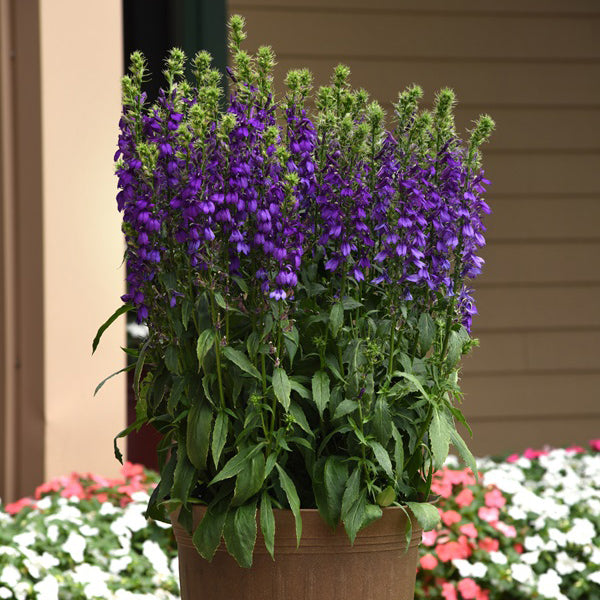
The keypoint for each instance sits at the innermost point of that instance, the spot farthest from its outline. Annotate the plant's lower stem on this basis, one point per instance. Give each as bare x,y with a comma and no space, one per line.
217,350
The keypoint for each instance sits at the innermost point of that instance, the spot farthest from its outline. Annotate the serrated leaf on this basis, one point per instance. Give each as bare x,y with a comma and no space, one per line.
320,391
281,387
207,536
172,358
220,300
464,451
455,345
382,456
240,360
300,418
197,439
287,485
249,480
333,366
350,303
205,342
426,327
267,523
235,464
414,380
184,477
297,387
387,496
219,436
382,421
239,532
120,311
335,476
426,514
351,491
439,438
344,408
398,452
336,318
360,515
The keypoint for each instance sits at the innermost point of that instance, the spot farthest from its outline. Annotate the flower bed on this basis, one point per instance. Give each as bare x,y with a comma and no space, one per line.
530,528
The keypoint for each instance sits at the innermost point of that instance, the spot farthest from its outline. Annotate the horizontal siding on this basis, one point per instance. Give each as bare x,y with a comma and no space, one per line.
401,36
535,351
498,437
541,263
559,8
550,393
555,217
526,308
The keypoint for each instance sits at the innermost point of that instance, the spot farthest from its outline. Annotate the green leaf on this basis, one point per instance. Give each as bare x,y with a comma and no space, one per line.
300,418
297,387
382,421
464,452
382,456
333,366
235,464
455,346
287,485
241,360
220,300
281,387
426,332
219,437
426,514
125,432
359,515
240,533
120,311
184,478
291,339
320,391
172,358
387,496
267,523
439,438
207,536
336,318
414,380
241,283
335,476
205,342
176,394
350,303
344,408
351,492
123,370
398,452
249,480
199,427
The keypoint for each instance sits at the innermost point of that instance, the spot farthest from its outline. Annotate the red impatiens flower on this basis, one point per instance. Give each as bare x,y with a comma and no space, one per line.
464,498
428,561
489,544
468,589
449,517
14,507
469,530
448,591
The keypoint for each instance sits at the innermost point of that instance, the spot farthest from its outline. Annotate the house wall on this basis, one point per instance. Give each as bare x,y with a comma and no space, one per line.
61,245
535,67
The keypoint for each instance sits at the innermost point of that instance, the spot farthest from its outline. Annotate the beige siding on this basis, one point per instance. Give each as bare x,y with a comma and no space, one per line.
535,66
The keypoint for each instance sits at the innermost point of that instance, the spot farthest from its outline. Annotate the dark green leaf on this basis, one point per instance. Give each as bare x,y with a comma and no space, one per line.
455,345
123,370
235,464
267,523
176,394
291,340
205,342
439,437
241,283
220,300
240,533
382,421
281,387
426,332
287,485
350,303
320,391
336,318
426,514
120,311
199,427
297,387
219,437
333,366
414,380
207,536
241,360
300,418
344,408
335,476
172,358
382,456
398,452
124,433
249,480
464,452
351,492
184,478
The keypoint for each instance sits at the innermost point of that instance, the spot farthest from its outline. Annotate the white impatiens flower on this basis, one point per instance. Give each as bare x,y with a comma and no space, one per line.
467,569
10,576
582,532
45,503
75,546
154,553
549,585
566,564
119,564
25,539
530,558
534,542
47,588
88,531
522,573
594,577
5,592
108,509
498,558
52,532
557,536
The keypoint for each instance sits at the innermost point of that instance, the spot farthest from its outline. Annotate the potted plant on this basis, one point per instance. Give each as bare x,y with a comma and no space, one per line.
304,278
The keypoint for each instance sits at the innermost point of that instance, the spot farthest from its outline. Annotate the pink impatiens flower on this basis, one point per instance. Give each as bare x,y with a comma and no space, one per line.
488,514
448,591
464,498
489,544
429,561
512,458
469,530
508,530
14,507
595,445
468,588
450,517
428,538
495,499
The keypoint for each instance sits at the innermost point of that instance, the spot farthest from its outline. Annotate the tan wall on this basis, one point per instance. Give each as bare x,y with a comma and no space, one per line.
61,275
535,67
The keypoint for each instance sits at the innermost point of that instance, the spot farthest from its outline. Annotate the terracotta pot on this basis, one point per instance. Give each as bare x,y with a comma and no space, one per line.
325,567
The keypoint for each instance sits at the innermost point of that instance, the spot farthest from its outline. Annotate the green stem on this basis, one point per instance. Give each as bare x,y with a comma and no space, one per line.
213,311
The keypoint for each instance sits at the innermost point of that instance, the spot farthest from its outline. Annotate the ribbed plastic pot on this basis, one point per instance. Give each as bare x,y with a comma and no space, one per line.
325,566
